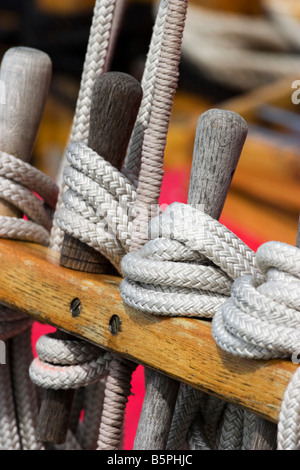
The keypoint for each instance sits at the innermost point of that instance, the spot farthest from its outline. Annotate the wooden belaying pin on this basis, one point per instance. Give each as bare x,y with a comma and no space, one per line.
25,76
220,137
110,131
115,104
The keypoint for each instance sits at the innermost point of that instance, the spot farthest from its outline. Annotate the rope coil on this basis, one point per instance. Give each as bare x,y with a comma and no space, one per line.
67,364
98,203
24,187
261,321
187,267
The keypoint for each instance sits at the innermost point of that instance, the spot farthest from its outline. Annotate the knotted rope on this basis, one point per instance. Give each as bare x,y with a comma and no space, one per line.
97,60
190,266
98,204
261,321
187,267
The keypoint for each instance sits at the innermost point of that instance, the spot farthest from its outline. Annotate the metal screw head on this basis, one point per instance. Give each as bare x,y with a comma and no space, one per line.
75,307
115,325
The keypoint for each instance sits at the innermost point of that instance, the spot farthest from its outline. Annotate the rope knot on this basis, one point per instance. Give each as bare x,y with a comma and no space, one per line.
187,267
261,320
33,193
65,364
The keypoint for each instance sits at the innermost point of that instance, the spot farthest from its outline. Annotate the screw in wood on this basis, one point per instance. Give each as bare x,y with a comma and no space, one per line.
75,307
115,325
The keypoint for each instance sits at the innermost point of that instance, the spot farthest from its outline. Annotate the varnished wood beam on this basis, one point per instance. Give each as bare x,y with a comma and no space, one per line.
32,280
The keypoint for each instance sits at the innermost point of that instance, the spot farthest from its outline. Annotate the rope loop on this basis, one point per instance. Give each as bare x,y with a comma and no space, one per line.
187,267
30,191
67,364
98,203
262,320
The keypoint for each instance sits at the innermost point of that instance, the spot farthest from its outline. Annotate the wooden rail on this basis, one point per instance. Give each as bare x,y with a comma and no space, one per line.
32,280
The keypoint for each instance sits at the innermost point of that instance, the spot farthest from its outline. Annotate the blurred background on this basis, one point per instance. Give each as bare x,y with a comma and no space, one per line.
236,54
239,55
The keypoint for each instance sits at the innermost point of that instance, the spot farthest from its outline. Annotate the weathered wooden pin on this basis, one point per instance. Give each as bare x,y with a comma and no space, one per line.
115,104
219,141
25,74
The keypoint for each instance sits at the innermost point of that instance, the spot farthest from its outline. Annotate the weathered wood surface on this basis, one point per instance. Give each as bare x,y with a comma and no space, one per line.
115,104
32,280
25,75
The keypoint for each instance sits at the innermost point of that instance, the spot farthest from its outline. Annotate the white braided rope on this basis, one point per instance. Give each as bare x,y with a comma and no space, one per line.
95,64
55,351
168,277
22,186
70,376
18,182
96,61
261,321
64,364
13,168
23,199
98,203
132,161
288,435
9,435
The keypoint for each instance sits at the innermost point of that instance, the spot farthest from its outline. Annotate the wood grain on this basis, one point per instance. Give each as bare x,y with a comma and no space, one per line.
26,75
33,281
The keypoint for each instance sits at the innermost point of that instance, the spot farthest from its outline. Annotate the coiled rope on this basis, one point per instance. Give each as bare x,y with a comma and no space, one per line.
187,267
98,204
194,266
32,192
24,187
261,321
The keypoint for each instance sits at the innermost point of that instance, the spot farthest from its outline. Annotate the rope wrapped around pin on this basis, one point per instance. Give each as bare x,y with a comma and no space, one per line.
31,191
188,266
261,320
98,204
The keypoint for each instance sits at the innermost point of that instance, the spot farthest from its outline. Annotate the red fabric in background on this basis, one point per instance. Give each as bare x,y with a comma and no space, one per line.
174,188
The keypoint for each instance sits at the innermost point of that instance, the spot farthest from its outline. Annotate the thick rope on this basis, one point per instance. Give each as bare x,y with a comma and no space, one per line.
261,321
133,159
97,206
189,267
155,136
98,203
96,62
166,276
24,187
118,388
67,364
